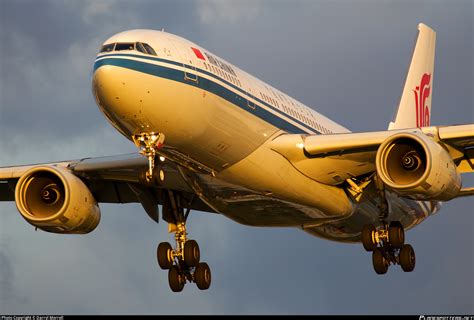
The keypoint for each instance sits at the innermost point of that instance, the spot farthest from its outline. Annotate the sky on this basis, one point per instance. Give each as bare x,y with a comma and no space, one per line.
346,59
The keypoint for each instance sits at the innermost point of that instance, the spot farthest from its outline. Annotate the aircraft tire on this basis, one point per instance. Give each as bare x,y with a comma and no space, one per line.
163,254
202,276
379,262
366,235
407,258
176,280
191,253
396,234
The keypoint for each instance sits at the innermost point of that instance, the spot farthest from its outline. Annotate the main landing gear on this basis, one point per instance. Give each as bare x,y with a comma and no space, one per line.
387,244
183,261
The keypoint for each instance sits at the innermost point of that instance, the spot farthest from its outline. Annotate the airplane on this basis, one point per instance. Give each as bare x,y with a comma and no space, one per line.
211,137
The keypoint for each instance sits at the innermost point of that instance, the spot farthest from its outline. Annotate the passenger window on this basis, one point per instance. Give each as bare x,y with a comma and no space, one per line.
107,47
149,49
139,47
124,46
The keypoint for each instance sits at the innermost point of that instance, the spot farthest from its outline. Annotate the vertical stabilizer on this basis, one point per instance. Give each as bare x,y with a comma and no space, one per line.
414,109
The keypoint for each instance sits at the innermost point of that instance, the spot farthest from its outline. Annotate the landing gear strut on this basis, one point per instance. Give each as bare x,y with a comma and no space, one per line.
388,247
183,261
149,143
387,242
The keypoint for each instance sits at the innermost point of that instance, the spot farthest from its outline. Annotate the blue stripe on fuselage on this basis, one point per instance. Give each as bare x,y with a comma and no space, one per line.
121,60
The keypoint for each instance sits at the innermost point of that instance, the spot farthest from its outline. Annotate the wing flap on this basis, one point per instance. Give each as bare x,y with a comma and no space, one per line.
462,135
466,192
459,141
336,143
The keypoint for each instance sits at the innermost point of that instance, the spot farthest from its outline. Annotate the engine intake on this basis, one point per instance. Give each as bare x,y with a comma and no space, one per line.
414,165
55,200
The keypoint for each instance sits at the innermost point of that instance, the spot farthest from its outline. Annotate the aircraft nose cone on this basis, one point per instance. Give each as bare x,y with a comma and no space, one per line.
105,88
114,97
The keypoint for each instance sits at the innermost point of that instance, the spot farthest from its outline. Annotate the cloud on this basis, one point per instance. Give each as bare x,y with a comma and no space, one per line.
94,9
6,278
9,293
228,11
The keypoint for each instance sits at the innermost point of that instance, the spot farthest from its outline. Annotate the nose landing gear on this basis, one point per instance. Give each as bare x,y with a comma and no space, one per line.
149,143
388,247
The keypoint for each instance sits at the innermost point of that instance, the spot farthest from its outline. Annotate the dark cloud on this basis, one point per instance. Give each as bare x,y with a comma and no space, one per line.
347,60
47,51
8,277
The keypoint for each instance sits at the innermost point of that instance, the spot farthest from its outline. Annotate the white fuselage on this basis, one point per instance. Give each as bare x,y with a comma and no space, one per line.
218,121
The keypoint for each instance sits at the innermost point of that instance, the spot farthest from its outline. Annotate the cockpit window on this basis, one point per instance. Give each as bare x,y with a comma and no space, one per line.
139,47
124,46
149,49
107,47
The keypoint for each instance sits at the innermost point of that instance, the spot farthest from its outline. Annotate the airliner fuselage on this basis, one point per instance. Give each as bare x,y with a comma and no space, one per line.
218,122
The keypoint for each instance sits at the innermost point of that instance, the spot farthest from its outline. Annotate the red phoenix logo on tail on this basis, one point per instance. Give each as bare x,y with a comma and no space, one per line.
422,92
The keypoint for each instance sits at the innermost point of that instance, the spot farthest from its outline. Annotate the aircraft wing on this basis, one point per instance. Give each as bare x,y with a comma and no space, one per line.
332,159
114,179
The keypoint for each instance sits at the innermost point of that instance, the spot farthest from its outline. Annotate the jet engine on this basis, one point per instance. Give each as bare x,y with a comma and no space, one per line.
413,165
53,199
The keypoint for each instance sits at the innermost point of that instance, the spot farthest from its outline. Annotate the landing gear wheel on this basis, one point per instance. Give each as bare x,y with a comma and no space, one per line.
396,234
202,276
407,258
163,253
367,239
176,279
191,253
379,261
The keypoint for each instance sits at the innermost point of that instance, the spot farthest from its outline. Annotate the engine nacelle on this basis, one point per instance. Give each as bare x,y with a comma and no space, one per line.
55,200
413,165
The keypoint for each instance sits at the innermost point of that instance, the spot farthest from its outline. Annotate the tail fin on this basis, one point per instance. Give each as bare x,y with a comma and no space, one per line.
414,109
